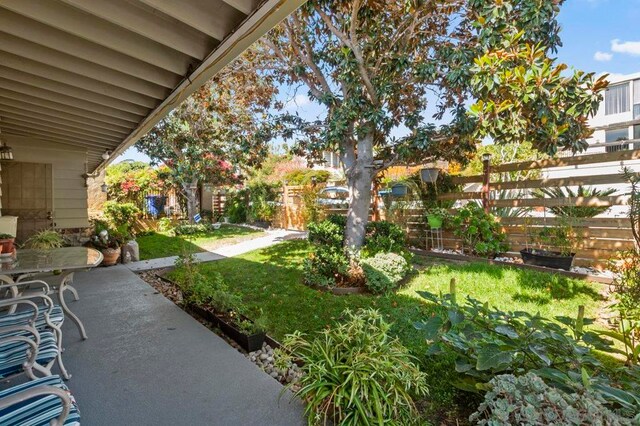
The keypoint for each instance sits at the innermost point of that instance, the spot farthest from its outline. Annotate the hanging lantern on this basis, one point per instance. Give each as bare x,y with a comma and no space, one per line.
6,152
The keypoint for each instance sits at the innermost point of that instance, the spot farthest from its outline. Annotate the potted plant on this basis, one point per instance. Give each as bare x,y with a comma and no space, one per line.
7,242
429,174
561,237
436,217
109,246
45,240
250,335
399,190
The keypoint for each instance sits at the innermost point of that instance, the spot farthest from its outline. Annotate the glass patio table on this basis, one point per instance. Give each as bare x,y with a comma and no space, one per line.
61,261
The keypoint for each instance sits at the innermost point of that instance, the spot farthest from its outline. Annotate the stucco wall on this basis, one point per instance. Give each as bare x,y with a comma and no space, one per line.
69,186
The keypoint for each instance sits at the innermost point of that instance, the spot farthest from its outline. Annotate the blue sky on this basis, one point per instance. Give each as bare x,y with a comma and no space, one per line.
597,35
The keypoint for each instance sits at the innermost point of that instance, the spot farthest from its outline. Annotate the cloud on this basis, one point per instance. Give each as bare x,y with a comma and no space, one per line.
297,101
602,56
626,47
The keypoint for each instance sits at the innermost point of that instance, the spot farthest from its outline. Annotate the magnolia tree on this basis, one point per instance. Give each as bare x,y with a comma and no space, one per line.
217,131
376,66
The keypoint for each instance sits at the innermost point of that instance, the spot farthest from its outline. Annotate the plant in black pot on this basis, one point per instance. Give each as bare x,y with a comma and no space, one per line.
556,246
210,297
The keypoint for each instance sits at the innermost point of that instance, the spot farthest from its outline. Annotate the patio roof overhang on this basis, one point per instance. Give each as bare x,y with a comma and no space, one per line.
99,74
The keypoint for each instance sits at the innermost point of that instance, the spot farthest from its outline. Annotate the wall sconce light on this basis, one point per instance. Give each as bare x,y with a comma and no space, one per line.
104,187
106,155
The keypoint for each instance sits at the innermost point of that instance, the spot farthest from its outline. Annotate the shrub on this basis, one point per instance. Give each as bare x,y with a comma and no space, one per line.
329,264
480,232
384,271
236,206
326,233
262,196
527,400
356,374
165,224
383,237
305,176
120,213
326,266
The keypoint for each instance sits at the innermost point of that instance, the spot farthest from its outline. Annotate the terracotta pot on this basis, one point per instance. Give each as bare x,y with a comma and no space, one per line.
110,256
7,245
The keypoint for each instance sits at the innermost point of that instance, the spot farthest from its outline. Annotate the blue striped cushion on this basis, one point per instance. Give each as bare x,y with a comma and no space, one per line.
23,317
40,410
14,354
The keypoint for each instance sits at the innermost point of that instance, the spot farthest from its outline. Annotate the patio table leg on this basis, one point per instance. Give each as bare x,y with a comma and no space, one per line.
73,291
64,286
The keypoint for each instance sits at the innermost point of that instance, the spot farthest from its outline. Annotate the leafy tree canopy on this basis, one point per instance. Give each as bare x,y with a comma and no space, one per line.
376,65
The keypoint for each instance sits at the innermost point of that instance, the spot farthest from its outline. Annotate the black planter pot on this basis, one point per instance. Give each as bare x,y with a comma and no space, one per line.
248,342
548,259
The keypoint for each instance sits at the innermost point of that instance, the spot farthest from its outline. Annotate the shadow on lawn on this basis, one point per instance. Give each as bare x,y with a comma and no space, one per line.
555,286
156,245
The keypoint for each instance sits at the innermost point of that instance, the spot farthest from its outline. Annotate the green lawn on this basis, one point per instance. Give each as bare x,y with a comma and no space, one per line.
271,279
160,244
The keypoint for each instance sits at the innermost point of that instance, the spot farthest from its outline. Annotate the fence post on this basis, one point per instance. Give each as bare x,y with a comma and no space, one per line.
486,179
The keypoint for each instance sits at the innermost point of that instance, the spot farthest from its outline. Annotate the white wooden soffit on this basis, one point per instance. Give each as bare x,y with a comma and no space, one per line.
99,74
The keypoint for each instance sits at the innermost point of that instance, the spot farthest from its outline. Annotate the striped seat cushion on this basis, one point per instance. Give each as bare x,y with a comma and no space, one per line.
38,411
14,354
23,317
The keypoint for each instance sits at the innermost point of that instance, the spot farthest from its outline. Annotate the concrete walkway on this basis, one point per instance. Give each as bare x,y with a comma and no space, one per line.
147,362
273,237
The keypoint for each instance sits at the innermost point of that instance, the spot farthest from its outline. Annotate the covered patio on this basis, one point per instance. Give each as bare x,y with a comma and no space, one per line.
148,362
80,82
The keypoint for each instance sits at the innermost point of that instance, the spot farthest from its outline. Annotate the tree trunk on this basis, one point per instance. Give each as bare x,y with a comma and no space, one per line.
359,179
191,193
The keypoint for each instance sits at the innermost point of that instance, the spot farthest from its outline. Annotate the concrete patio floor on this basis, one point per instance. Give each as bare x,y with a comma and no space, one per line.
147,362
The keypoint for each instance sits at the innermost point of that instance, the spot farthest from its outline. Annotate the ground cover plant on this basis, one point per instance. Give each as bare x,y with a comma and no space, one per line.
165,243
271,279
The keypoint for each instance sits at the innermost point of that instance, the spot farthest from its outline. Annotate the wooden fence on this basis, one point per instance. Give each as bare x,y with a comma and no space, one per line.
600,237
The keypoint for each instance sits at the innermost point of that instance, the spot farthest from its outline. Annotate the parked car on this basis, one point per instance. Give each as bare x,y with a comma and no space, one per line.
334,196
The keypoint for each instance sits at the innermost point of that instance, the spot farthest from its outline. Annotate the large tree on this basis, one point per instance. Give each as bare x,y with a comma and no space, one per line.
376,66
217,131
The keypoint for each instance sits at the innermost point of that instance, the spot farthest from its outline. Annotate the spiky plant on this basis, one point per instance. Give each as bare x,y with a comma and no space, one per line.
567,192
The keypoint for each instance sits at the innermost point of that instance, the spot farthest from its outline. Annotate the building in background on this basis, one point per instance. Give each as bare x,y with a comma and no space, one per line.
616,128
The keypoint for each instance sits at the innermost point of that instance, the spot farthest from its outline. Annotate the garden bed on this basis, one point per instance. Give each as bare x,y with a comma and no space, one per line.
263,356
271,279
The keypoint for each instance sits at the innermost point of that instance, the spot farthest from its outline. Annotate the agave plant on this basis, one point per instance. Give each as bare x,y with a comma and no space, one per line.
567,192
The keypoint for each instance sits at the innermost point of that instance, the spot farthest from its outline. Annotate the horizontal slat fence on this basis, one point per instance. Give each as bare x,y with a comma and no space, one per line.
600,238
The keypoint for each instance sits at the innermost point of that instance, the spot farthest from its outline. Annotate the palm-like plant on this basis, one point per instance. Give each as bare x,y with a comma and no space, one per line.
567,192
